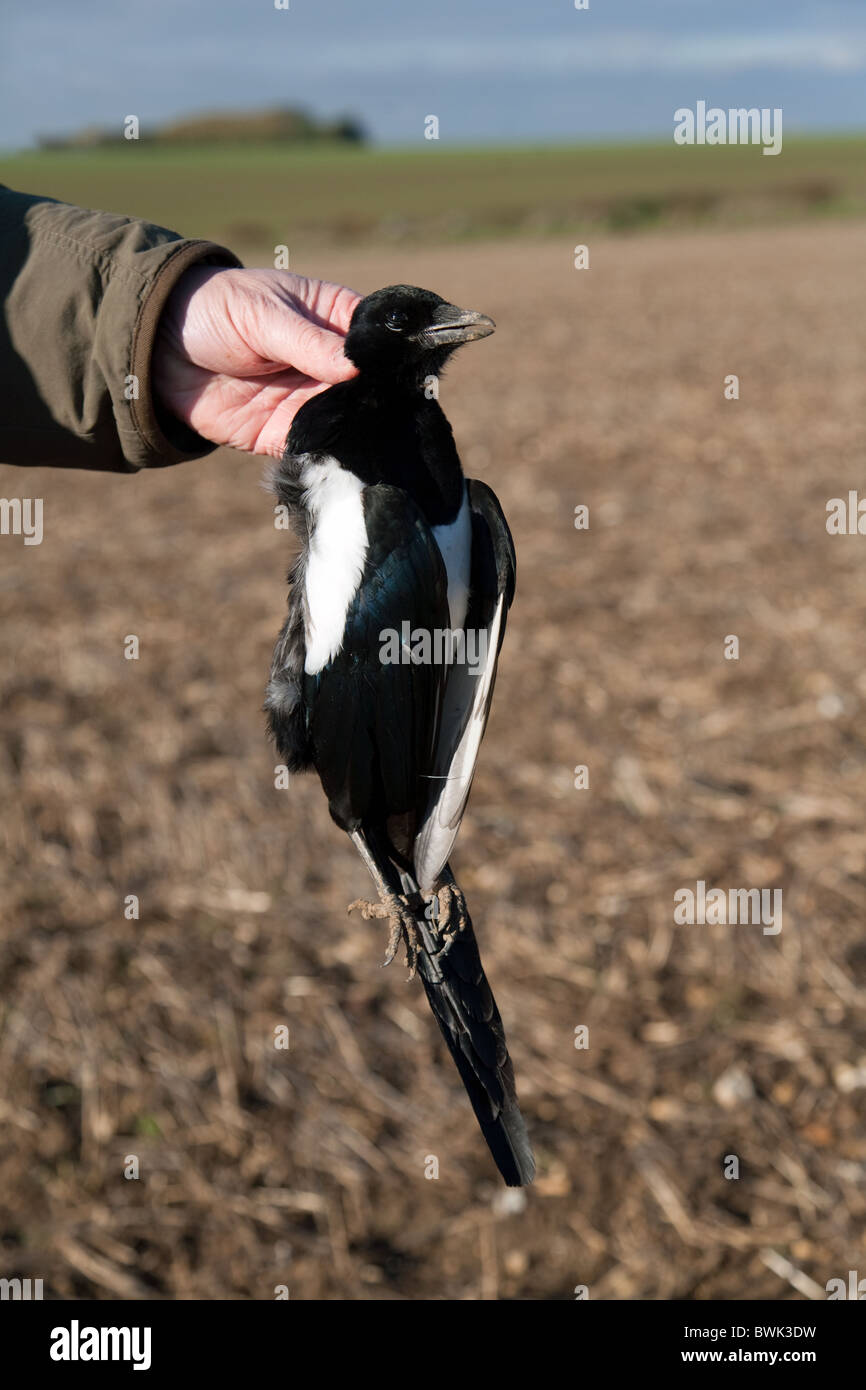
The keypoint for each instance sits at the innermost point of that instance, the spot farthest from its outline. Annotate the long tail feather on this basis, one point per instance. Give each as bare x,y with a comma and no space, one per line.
463,1006
462,1001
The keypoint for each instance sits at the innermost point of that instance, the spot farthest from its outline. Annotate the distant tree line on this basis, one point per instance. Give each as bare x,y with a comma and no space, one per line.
277,125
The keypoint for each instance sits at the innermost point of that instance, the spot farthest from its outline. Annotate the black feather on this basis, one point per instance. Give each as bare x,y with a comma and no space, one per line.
382,735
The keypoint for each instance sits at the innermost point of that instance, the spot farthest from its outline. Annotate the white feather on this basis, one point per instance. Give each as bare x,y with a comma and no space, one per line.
466,698
335,560
455,546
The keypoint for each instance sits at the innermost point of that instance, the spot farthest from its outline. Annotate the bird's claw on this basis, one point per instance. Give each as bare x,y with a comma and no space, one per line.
403,927
450,916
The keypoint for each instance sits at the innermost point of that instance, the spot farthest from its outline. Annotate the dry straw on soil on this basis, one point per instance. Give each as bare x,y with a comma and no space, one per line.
155,1038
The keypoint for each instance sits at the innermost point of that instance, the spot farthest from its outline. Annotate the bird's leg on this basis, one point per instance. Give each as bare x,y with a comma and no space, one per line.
395,907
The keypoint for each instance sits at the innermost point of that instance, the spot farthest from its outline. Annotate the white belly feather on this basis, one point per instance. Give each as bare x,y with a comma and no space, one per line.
335,561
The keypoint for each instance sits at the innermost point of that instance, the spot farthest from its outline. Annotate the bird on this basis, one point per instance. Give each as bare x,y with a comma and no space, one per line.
394,539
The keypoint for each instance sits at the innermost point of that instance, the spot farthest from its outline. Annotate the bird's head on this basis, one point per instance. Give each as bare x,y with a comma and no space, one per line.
403,331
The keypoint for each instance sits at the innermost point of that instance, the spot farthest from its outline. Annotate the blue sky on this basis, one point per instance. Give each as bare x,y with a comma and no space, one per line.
489,69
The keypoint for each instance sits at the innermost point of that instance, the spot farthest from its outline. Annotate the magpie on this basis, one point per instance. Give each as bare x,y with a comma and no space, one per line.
395,539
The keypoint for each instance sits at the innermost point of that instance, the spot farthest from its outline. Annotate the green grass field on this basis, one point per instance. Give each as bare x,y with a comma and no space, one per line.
257,196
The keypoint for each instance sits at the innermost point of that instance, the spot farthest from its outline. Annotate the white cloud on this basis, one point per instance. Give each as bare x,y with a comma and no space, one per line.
595,53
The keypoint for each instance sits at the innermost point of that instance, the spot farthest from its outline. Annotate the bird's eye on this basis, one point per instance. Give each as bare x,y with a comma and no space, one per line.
396,320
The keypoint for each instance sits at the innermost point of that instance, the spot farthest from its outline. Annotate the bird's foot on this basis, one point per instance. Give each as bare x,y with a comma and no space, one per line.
397,910
451,914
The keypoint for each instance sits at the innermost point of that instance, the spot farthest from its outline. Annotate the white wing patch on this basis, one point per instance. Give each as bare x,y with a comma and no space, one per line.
455,546
336,556
466,698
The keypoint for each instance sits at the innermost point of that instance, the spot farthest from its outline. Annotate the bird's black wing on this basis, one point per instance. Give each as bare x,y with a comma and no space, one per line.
373,722
467,697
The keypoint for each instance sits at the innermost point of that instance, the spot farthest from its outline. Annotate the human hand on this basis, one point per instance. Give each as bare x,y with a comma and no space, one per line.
238,352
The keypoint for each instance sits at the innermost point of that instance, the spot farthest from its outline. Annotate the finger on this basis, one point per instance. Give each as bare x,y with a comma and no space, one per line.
329,305
271,439
344,304
302,344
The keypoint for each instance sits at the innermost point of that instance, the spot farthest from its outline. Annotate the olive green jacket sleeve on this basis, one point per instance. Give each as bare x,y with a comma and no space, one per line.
82,293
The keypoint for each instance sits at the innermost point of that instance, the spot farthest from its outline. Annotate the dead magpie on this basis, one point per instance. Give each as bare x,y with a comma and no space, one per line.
394,539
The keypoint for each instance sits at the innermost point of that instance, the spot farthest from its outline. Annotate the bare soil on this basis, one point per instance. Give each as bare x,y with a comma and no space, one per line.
154,1037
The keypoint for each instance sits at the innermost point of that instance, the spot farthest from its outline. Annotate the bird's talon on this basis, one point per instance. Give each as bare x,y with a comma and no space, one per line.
402,928
453,914
393,942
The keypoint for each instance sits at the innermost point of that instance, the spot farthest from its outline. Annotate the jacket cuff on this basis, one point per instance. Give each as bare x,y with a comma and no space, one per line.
149,435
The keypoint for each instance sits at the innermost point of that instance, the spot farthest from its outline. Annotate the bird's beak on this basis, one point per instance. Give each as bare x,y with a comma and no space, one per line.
453,325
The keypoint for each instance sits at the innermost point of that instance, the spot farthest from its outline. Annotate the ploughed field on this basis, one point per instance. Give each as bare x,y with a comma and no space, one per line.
154,1038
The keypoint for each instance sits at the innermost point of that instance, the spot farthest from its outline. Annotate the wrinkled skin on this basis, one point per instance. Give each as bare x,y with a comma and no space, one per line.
238,352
